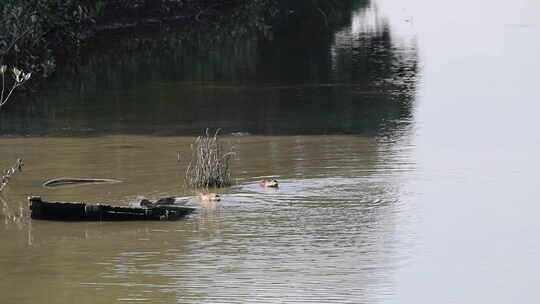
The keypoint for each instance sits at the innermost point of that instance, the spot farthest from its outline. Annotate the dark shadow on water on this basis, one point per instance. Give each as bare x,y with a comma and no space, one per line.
338,79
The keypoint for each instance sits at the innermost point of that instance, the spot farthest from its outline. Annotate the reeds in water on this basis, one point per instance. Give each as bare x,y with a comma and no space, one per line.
209,166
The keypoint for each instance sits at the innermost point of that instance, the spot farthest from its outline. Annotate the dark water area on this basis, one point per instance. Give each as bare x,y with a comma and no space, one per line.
179,81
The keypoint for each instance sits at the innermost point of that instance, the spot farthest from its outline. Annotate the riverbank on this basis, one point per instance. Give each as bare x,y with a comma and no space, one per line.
41,36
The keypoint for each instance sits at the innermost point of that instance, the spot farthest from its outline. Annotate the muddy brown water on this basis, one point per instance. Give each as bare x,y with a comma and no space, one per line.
334,202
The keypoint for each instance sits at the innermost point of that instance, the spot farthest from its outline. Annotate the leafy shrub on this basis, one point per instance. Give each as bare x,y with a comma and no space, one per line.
33,31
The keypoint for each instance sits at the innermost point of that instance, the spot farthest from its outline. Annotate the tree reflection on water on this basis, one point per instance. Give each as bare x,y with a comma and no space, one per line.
349,77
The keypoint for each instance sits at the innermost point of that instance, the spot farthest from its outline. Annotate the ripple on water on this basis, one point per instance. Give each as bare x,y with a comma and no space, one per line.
320,240
327,234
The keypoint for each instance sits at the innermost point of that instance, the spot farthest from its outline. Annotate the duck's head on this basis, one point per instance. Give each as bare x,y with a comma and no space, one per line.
269,183
209,197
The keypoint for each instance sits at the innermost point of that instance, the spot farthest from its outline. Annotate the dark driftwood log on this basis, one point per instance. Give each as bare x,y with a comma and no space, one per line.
60,211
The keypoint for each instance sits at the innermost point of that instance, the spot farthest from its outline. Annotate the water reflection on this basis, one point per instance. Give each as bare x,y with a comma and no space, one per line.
347,78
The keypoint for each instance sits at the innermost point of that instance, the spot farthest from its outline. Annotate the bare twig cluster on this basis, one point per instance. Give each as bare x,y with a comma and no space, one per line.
19,78
7,174
209,166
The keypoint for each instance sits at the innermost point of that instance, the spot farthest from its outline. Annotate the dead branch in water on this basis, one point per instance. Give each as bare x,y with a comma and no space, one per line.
7,174
209,166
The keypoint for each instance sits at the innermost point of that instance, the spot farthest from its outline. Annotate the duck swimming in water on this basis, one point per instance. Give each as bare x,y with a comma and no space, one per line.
148,203
269,183
209,197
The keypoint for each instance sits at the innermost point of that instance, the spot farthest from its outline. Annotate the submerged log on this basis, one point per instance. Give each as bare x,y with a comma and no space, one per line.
78,181
61,211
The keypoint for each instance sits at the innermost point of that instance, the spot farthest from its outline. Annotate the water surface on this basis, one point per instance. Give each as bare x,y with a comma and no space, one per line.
334,214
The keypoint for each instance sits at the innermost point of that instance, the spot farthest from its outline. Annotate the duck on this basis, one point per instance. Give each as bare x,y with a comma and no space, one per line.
144,203
165,201
269,183
209,197
152,203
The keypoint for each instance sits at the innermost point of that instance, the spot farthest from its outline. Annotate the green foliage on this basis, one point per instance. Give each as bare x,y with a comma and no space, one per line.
32,32
36,34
